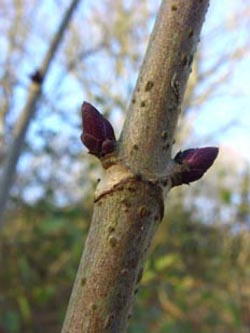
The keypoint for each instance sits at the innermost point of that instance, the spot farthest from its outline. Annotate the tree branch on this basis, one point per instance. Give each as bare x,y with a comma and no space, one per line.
128,201
154,109
22,125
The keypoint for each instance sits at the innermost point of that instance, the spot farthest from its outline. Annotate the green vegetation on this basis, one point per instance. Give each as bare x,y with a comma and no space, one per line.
196,279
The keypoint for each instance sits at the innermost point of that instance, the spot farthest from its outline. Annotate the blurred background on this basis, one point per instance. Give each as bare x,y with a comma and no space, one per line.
197,278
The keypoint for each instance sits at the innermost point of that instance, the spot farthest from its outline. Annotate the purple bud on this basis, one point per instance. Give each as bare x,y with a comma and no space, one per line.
108,146
98,134
193,163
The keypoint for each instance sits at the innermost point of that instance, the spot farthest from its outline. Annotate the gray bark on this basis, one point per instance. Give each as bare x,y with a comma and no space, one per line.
129,200
22,125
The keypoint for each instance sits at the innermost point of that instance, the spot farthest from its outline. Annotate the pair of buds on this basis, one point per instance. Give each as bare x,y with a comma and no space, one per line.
98,136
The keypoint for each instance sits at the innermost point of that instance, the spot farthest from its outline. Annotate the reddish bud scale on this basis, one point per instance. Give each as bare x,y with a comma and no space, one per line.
193,163
98,134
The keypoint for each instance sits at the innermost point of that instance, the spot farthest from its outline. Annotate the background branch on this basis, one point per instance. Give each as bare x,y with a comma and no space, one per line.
22,125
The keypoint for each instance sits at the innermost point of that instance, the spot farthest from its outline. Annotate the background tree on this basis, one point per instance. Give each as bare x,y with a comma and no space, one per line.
19,131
